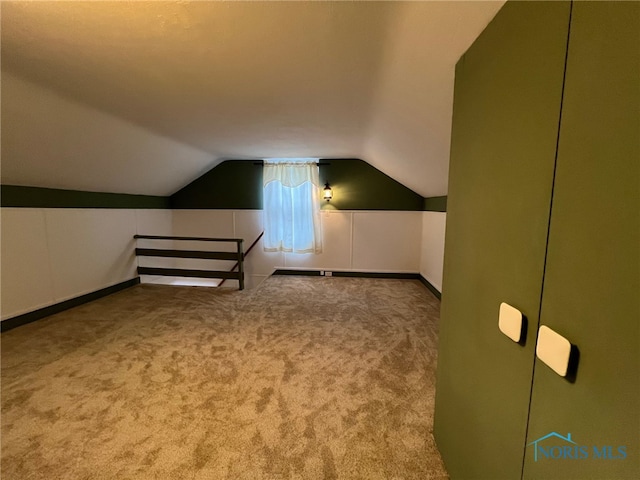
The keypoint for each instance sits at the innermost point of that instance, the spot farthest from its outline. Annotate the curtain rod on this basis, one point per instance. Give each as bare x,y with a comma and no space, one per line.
319,163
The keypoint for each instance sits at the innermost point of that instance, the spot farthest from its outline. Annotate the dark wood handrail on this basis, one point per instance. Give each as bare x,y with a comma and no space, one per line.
196,239
183,272
152,252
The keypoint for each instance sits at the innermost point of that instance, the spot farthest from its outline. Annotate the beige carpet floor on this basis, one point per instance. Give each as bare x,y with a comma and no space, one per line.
301,378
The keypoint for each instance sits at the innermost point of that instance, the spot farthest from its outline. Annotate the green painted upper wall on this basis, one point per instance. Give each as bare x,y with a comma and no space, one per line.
435,204
233,184
36,197
357,185
237,184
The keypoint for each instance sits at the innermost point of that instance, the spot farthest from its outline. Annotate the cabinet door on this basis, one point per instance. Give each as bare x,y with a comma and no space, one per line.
591,287
506,111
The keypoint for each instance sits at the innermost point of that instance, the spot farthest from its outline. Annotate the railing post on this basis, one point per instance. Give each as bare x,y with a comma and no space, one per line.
240,265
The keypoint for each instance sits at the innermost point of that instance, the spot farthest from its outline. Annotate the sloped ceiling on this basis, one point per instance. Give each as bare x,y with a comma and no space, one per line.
225,80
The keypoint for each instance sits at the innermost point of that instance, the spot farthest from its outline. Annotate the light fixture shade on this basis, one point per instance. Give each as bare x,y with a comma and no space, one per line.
328,193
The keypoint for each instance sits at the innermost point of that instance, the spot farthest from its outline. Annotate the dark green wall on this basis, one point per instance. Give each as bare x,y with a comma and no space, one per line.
359,186
435,204
35,197
233,184
237,184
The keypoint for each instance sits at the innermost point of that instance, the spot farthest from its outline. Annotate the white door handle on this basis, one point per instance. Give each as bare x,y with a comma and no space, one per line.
510,322
554,350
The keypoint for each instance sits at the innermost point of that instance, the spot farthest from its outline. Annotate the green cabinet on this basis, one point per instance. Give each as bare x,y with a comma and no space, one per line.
591,284
543,213
506,112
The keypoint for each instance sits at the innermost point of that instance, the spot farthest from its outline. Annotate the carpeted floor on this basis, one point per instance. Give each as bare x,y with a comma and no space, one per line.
301,378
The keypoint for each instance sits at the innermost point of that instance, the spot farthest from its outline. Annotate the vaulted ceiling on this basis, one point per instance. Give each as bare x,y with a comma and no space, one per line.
142,97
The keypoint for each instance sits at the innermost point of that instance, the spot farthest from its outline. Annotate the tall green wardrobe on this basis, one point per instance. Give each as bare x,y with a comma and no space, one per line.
544,215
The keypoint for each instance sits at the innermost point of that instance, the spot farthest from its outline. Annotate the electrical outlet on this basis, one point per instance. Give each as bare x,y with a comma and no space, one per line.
322,273
328,274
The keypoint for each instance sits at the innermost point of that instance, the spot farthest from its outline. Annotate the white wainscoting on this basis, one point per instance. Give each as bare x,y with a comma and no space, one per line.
365,241
27,283
89,249
432,247
386,241
50,255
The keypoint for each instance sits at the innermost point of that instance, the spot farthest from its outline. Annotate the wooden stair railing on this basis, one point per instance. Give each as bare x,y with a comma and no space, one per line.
238,256
245,256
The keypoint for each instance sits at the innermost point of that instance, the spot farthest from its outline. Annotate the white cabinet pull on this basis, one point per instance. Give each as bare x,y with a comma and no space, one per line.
554,350
510,322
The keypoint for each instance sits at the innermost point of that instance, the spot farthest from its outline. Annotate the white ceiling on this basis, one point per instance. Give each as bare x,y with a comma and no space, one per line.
223,80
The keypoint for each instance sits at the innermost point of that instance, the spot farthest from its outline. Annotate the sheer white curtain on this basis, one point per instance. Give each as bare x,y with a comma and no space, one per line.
292,206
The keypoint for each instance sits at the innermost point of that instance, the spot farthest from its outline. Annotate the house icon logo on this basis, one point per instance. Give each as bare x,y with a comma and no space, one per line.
554,446
566,439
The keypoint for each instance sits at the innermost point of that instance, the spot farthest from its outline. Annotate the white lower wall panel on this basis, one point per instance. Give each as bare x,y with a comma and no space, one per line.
203,223
432,247
50,255
90,249
154,222
387,241
26,273
248,224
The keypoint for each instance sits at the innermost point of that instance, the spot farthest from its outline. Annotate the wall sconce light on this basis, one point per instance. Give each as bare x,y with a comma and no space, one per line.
328,193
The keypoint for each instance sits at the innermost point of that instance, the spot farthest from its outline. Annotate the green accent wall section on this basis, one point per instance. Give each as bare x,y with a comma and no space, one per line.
237,184
435,204
36,197
25,318
592,279
357,185
507,104
232,184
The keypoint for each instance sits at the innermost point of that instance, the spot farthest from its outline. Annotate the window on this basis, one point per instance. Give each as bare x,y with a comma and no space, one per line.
292,206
